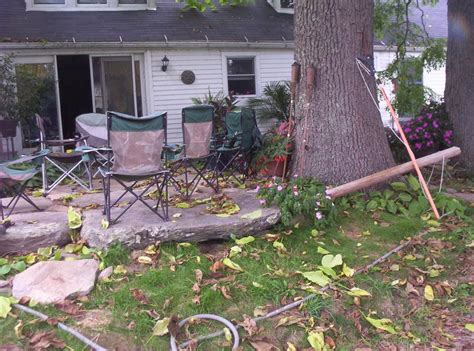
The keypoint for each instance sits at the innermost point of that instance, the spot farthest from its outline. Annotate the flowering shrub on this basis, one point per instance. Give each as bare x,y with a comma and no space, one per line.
429,130
276,146
300,196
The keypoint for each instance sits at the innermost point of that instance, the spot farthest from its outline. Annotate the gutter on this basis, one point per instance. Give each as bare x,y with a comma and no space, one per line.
147,45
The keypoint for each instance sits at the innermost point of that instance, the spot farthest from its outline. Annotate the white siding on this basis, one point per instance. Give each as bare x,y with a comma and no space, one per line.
434,80
169,94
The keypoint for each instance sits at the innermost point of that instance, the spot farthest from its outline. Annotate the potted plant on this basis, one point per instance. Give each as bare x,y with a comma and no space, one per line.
8,101
276,150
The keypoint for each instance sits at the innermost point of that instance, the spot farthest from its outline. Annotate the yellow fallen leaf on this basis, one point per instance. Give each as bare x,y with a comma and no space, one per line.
161,327
429,294
232,265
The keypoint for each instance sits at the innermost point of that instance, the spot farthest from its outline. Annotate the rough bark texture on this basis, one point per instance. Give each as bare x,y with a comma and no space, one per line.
460,76
345,136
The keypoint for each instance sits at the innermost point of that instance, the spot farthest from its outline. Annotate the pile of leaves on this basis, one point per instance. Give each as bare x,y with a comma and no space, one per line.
300,196
406,199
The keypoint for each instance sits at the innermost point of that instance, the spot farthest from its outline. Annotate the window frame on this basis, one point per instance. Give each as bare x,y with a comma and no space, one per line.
256,73
73,5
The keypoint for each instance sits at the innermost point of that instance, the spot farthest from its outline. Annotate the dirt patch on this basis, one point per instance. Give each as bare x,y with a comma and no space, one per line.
95,319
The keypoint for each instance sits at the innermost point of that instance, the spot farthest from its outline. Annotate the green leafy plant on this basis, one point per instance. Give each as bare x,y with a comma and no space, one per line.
274,102
300,196
221,103
8,102
277,147
405,198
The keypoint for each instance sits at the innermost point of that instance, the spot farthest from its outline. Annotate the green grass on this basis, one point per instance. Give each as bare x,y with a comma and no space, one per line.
270,278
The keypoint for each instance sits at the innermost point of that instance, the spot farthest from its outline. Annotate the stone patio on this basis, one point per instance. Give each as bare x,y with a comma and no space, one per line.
138,228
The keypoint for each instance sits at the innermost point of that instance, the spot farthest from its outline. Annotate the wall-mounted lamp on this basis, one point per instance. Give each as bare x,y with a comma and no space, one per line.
164,63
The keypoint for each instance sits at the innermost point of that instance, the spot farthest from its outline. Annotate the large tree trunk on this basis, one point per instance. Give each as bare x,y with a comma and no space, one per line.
459,92
345,136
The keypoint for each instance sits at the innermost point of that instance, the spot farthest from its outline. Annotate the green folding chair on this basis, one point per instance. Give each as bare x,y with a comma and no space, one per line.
197,126
16,180
137,145
242,140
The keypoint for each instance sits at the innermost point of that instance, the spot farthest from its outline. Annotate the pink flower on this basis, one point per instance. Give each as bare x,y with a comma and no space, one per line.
407,130
435,124
257,188
279,188
262,201
418,146
318,203
319,216
430,116
296,193
295,176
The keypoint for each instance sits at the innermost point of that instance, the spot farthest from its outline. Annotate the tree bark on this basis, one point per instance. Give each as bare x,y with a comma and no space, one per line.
345,139
459,91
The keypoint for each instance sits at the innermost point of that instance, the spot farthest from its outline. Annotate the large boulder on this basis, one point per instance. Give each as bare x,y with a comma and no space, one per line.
31,231
54,281
139,227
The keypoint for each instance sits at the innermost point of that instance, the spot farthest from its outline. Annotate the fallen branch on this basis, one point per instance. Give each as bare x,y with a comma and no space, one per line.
393,172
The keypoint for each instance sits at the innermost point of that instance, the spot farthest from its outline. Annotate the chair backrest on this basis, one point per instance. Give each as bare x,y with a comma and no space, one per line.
197,130
137,142
241,122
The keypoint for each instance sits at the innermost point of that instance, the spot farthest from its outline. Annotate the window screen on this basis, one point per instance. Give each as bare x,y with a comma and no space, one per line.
241,76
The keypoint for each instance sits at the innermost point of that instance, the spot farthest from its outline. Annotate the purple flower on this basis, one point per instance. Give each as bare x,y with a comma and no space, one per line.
418,146
429,143
418,129
319,215
279,188
430,116
419,119
435,123
318,203
407,130
257,188
425,125
426,135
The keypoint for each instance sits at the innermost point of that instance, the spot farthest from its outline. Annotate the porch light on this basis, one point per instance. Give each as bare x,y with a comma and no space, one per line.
165,61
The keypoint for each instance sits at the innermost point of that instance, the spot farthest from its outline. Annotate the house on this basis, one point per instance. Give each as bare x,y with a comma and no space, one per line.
140,56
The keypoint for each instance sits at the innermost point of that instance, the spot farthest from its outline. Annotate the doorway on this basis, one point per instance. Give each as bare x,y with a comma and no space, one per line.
74,78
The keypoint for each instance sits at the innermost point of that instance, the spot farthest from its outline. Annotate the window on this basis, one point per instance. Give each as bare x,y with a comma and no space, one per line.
286,4
89,5
241,75
49,2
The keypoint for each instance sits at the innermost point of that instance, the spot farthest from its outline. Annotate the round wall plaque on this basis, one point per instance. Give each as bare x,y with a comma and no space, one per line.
188,77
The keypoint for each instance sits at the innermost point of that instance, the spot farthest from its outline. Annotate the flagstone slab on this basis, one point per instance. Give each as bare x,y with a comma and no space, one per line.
139,227
31,231
54,281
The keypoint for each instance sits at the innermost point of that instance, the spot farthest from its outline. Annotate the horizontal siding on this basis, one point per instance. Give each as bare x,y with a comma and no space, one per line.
171,95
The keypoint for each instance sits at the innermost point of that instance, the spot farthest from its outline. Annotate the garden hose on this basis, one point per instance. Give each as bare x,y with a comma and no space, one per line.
62,326
214,317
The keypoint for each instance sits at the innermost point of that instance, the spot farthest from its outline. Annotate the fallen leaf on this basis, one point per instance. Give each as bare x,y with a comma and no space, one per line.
234,251
74,218
232,265
69,307
253,215
161,327
384,324
347,271
316,340
245,240
317,277
322,250
358,292
262,345
145,260
43,340
249,325
429,294
331,261
140,296
469,326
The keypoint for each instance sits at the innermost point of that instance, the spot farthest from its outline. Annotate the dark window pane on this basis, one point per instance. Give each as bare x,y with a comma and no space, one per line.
240,66
40,2
138,89
242,85
132,2
87,2
286,4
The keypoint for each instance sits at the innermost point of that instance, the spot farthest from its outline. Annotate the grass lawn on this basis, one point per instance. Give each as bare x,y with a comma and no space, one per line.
122,311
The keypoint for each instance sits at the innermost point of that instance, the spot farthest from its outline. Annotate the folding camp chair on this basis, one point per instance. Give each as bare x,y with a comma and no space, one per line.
137,144
197,123
242,140
73,163
93,126
16,180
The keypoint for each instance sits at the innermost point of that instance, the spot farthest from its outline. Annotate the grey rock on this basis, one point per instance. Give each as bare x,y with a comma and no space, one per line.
106,273
139,227
31,231
54,281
